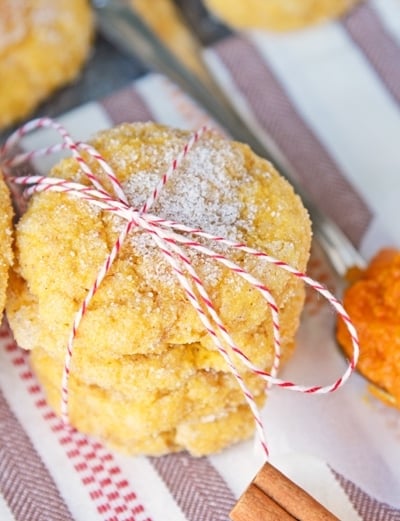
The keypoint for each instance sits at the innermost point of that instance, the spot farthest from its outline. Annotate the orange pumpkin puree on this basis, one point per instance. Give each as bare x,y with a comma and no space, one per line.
373,303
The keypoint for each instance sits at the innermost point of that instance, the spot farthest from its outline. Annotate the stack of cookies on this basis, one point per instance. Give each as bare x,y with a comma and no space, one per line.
146,377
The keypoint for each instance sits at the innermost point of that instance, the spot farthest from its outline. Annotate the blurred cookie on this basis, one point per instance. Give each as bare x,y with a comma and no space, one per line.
277,15
142,355
43,45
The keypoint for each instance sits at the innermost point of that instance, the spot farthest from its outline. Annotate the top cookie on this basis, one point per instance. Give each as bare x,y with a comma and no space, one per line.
42,46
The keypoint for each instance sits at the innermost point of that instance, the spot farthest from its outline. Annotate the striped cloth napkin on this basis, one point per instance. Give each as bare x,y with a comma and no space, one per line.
328,100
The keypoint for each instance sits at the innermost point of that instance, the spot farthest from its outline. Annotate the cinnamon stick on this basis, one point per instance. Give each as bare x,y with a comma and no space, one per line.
255,505
272,496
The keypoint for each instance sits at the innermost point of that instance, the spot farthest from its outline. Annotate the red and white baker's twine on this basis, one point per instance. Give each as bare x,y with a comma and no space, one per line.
170,237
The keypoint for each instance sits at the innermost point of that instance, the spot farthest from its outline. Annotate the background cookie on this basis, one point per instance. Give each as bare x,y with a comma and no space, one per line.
42,46
277,15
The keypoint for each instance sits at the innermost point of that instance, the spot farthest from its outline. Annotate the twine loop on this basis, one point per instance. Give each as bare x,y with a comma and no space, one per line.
169,236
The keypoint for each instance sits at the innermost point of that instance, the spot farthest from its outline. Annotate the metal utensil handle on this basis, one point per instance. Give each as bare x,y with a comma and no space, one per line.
126,30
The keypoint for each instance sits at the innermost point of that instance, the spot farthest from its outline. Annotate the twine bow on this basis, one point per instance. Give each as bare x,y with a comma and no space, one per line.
168,237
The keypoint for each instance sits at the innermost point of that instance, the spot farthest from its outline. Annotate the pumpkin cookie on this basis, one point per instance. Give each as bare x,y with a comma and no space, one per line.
146,376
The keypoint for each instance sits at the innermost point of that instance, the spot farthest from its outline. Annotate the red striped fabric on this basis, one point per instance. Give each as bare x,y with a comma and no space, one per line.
101,477
25,482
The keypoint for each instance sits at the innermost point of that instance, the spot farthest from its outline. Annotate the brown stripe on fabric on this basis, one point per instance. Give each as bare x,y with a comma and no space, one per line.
368,508
317,170
126,106
25,482
383,52
196,486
